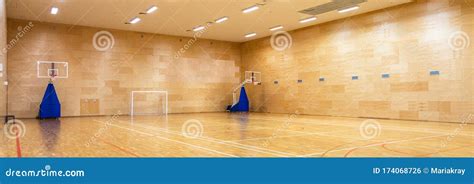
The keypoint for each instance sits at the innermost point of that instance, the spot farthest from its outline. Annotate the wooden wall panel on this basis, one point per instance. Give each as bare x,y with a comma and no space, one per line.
200,80
90,107
406,41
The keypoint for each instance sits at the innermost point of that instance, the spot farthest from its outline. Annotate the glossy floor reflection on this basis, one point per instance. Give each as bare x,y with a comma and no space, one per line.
237,135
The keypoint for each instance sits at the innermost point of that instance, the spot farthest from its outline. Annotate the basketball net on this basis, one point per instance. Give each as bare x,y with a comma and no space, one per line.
52,77
254,80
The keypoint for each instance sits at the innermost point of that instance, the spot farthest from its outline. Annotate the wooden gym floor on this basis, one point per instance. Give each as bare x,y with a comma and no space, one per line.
238,135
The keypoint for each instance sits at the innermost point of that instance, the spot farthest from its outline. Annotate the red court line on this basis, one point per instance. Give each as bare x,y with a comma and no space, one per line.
120,148
352,150
421,155
396,151
334,148
440,151
18,145
116,146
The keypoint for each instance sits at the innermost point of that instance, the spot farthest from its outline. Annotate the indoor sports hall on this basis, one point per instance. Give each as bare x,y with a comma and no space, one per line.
237,78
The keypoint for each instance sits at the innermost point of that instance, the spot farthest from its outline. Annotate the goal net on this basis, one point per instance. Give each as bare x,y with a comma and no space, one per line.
149,103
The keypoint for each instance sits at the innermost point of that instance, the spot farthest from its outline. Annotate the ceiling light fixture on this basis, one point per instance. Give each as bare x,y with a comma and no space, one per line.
348,9
222,19
134,20
250,35
198,28
276,28
309,19
250,9
151,9
54,10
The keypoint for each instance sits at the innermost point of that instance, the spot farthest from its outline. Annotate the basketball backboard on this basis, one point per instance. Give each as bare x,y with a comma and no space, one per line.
253,77
52,69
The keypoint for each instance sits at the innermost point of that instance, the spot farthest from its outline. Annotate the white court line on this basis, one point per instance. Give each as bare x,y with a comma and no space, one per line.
375,144
286,136
185,120
342,137
214,125
387,142
297,131
252,148
215,131
180,142
390,127
271,137
242,146
238,145
239,129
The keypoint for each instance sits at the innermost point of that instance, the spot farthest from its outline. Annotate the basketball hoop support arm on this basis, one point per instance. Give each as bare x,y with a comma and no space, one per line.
234,93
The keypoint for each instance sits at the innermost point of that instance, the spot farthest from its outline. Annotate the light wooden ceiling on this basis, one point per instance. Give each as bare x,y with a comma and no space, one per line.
175,17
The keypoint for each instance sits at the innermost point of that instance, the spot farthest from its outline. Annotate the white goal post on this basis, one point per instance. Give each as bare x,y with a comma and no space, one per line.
134,93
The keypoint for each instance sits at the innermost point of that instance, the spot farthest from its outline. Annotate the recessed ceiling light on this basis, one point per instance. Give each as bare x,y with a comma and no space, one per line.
222,19
250,35
134,20
199,28
54,10
151,9
276,28
309,19
250,9
352,8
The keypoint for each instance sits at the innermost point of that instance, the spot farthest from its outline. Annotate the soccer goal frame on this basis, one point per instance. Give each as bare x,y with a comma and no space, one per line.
132,95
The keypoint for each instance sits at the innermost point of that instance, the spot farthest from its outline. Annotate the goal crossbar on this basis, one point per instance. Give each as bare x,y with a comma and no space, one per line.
135,92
